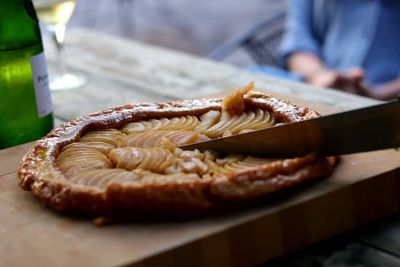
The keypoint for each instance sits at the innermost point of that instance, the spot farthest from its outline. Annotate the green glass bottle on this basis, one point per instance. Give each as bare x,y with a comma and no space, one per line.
25,101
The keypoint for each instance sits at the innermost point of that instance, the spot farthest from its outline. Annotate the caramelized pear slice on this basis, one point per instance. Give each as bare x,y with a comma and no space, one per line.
100,178
153,138
176,123
99,146
208,120
234,103
72,161
249,120
109,136
155,159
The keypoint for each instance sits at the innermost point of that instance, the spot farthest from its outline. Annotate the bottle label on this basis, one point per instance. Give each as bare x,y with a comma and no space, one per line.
41,84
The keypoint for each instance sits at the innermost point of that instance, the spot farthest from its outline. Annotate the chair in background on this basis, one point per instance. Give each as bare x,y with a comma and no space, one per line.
261,42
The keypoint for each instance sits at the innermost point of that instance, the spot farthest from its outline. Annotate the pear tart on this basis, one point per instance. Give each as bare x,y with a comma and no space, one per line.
128,158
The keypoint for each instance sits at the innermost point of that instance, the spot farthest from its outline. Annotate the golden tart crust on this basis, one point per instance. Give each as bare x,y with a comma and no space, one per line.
123,171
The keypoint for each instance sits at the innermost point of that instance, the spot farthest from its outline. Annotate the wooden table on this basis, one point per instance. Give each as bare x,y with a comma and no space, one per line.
121,71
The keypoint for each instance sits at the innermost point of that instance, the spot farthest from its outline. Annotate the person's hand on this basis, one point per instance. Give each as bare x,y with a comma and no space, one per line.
315,72
324,78
386,91
352,81
349,81
356,84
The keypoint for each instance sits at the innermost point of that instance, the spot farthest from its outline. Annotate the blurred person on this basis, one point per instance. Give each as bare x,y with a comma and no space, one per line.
352,45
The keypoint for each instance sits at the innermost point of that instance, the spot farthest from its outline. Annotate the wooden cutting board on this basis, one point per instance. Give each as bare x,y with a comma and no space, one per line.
363,187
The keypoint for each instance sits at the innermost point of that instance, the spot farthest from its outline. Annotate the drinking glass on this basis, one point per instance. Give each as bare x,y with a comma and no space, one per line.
55,15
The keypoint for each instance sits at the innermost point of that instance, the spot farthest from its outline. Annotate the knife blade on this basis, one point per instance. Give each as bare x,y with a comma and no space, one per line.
360,130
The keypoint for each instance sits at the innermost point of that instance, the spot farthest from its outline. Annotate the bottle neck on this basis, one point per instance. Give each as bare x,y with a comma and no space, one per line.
19,25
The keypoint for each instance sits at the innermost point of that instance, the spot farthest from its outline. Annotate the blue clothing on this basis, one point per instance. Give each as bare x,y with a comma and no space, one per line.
347,34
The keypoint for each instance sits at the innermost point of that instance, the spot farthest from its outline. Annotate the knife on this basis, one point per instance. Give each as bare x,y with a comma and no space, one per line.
360,130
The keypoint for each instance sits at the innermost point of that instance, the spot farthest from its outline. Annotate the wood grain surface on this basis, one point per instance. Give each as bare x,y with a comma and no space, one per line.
363,187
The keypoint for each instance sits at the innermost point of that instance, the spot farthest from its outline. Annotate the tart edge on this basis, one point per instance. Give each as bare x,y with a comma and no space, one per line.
39,174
